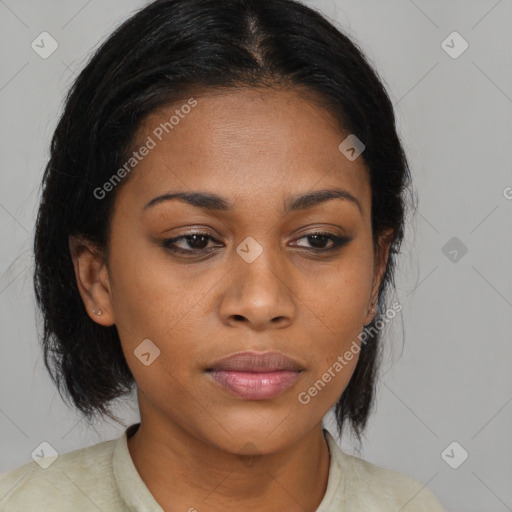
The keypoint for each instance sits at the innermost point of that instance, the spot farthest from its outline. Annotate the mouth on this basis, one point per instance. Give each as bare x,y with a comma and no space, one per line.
255,375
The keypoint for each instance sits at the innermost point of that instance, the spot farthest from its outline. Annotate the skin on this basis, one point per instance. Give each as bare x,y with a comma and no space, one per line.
255,148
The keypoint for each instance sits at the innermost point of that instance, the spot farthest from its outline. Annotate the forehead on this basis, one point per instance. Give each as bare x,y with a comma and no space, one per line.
249,145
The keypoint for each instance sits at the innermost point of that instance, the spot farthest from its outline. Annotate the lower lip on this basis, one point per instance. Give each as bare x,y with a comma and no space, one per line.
255,385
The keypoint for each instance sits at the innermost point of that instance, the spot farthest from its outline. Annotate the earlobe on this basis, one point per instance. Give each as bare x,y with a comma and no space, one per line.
371,313
92,279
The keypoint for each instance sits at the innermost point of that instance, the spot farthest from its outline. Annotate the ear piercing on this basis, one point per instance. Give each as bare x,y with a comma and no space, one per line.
97,312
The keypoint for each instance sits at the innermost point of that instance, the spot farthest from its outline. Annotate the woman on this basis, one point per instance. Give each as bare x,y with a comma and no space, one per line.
219,222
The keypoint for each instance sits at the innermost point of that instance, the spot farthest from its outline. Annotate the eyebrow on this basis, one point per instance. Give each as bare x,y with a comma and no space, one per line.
214,202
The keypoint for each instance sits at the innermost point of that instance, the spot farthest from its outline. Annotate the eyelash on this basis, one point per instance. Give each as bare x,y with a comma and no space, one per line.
338,243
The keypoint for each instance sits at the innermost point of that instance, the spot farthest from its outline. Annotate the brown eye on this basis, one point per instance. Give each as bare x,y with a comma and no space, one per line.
318,241
191,243
197,243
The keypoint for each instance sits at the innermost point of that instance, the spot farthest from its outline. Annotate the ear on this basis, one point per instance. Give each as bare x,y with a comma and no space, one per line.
380,262
92,279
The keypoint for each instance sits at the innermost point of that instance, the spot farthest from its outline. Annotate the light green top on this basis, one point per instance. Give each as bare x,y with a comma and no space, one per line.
102,477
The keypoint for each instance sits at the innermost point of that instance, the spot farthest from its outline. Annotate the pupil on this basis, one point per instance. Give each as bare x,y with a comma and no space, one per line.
194,243
316,240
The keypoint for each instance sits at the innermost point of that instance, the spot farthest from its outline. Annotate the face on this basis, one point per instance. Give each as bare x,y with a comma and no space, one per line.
256,271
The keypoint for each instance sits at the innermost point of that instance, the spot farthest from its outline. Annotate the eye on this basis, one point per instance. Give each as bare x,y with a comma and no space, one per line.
196,243
318,240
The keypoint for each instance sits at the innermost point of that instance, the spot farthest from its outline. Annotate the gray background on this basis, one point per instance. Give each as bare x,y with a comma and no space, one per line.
447,372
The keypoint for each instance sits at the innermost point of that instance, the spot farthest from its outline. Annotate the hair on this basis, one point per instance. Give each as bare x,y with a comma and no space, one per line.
158,56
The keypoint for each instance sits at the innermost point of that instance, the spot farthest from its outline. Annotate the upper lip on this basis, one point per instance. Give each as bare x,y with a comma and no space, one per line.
251,361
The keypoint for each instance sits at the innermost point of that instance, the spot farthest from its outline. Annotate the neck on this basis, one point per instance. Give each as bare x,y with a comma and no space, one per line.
184,472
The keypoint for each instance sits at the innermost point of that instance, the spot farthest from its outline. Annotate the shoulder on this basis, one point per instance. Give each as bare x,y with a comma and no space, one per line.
82,477
389,486
369,487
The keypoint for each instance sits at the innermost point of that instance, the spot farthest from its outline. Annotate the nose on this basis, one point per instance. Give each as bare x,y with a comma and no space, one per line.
259,294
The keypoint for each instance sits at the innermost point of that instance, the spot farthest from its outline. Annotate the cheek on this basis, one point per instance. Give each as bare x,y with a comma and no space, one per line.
150,296
164,304
338,296
339,305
